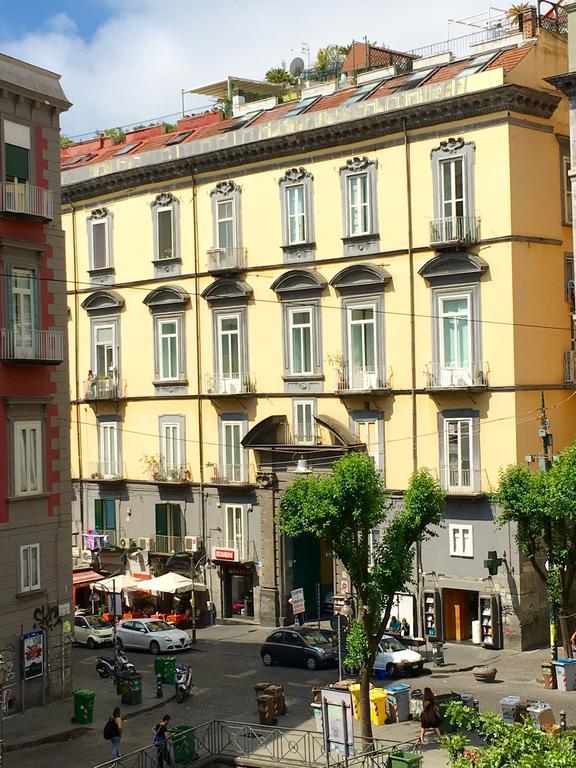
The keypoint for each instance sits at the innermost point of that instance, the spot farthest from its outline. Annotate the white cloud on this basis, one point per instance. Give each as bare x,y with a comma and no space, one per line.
143,53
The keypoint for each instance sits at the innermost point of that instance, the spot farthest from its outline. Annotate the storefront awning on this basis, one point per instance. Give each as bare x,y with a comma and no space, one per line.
85,576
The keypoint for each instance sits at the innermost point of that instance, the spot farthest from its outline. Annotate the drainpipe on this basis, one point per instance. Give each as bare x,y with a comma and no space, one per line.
419,573
77,368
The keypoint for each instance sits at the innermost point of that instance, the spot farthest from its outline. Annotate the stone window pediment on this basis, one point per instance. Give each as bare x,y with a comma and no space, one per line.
169,296
103,300
298,281
461,266
226,290
359,277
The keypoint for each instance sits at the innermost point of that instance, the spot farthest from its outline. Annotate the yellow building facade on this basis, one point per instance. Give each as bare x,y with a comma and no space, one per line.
384,270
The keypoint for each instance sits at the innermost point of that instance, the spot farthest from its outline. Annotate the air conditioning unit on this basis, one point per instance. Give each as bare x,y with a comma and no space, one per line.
191,543
125,543
144,543
75,551
86,556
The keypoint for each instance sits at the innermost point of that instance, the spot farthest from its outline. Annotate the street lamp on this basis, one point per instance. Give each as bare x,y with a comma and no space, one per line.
3,670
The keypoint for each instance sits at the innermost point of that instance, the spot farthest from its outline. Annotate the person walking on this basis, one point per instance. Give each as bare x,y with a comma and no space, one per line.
404,628
116,727
161,737
430,717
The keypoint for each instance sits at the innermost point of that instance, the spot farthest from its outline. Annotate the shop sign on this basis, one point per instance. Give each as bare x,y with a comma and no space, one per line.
33,654
297,600
230,555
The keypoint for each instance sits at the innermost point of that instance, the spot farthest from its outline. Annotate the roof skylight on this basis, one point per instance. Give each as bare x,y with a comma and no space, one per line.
179,138
361,93
301,106
128,148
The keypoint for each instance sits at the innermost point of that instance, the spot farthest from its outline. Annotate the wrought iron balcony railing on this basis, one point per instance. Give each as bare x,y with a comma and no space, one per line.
570,367
230,383
441,376
226,259
31,346
233,474
106,470
166,545
454,230
27,200
175,474
460,481
104,388
360,378
233,550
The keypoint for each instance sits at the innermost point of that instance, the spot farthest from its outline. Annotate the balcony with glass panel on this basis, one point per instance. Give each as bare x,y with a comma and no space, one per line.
26,201
26,345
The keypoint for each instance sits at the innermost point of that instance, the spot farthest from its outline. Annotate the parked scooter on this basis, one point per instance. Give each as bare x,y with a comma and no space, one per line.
111,667
183,681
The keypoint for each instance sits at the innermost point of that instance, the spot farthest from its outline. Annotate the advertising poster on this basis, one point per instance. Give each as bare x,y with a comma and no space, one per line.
33,654
338,727
297,600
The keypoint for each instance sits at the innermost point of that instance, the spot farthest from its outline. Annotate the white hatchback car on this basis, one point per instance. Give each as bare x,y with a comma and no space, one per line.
92,631
395,658
152,635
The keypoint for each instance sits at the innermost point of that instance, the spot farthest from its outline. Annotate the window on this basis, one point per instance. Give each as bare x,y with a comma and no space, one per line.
301,106
566,189
109,459
165,225
23,310
225,210
458,458
361,93
169,348
28,457
476,64
374,541
104,351
127,148
17,147
358,205
232,451
461,540
100,239
235,527
415,79
453,179
170,443
304,424
452,187
29,567
179,138
105,516
165,233
367,431
455,335
169,520
243,121
296,214
229,367
362,356
301,340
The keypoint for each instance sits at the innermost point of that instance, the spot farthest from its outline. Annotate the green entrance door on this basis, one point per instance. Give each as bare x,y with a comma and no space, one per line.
306,569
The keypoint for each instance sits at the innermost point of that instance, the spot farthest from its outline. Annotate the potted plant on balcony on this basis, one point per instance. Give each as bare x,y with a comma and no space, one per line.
153,464
337,362
516,13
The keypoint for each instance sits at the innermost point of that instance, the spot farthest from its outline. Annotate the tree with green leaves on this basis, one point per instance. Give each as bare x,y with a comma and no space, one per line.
280,75
542,505
342,509
329,58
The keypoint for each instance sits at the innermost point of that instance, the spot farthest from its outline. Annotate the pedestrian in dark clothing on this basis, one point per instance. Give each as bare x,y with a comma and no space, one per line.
161,737
430,717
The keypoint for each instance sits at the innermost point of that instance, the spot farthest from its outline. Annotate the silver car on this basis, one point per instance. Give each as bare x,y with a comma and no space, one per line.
152,635
92,631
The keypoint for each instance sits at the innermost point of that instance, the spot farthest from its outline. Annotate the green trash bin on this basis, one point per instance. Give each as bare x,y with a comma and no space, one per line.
183,744
442,701
83,706
130,687
399,759
165,666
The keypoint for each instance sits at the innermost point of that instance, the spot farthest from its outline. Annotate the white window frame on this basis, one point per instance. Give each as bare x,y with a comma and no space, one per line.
232,218
161,322
374,541
171,445
301,329
458,547
308,436
298,214
460,485
364,427
567,188
29,584
442,316
27,427
363,206
224,337
109,449
235,533
162,209
233,472
104,222
365,377
110,373
453,201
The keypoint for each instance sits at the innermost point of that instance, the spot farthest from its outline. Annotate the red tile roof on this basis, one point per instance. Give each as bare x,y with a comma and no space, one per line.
212,123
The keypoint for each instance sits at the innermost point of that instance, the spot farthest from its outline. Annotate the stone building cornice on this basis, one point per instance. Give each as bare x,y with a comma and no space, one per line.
504,98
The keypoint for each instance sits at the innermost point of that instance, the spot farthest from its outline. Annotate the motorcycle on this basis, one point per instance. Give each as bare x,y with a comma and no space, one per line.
111,667
183,682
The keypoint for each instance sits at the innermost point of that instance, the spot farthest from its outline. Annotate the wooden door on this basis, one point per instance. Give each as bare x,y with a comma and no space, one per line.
449,614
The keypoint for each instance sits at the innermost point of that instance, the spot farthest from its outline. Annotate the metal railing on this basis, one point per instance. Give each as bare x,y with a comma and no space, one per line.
105,470
225,259
233,474
440,376
460,481
262,744
230,383
570,367
162,473
39,346
104,388
166,545
496,28
454,229
233,550
362,378
21,197
302,435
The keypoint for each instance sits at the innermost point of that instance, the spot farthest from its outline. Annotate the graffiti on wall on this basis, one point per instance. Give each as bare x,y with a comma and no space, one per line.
8,655
46,617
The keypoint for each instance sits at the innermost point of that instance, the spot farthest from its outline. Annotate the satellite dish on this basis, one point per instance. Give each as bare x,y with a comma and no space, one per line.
296,67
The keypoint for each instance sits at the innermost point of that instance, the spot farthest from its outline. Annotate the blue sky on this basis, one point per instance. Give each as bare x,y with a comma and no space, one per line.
126,61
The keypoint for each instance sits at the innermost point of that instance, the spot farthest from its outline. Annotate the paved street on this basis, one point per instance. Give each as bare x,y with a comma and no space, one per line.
226,666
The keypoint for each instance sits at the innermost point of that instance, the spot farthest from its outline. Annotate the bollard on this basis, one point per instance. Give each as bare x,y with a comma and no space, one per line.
562,721
159,691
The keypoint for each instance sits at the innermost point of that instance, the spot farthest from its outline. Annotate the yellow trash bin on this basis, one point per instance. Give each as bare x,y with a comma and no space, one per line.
355,691
378,706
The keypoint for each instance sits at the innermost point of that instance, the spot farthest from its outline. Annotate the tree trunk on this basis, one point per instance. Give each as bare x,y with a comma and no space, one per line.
564,632
365,722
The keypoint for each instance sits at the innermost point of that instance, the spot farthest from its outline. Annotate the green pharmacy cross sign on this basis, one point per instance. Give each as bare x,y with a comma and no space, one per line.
493,563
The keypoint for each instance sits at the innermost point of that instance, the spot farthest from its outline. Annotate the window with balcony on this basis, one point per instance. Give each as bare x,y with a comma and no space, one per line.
362,351
105,519
368,426
304,424
108,450
461,540
17,151
460,451
170,528
358,180
24,311
301,336
29,567
100,247
453,178
227,252
232,455
229,352
235,525
165,224
172,448
28,443
566,190
296,202
169,348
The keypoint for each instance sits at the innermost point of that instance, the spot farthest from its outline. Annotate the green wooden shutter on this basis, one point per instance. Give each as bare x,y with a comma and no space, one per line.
110,508
16,163
99,515
161,519
176,515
